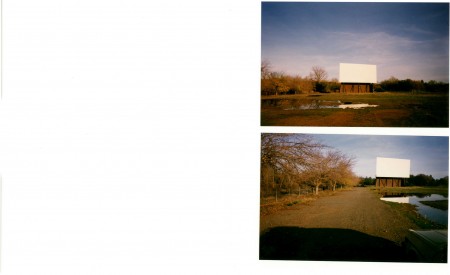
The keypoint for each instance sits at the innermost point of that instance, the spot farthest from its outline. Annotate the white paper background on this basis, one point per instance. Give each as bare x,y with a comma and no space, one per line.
129,140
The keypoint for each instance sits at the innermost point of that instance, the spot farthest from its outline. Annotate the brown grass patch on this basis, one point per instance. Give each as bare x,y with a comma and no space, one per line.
391,117
270,206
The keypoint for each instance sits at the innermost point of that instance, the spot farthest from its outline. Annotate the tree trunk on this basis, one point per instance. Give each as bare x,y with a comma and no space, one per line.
317,189
273,181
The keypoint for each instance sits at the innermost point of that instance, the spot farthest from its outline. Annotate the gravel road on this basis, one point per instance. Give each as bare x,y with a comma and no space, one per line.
352,225
357,209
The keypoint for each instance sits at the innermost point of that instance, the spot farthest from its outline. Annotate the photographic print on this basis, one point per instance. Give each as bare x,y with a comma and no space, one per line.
354,64
368,198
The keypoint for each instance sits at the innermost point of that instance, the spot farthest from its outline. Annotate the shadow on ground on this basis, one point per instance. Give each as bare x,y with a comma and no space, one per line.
326,244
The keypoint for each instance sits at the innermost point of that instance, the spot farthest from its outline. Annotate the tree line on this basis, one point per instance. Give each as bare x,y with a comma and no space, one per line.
291,163
408,85
414,180
279,83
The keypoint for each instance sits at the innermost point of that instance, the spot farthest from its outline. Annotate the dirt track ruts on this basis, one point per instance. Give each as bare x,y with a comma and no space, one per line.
358,209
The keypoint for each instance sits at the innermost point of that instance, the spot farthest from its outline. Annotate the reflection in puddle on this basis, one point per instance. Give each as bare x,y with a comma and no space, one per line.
323,104
302,104
431,213
356,106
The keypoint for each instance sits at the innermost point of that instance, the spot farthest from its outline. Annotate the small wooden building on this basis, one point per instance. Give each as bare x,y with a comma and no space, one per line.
357,78
392,172
389,182
356,88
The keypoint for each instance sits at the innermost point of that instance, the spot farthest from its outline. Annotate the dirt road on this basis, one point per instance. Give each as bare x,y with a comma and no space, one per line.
358,209
351,225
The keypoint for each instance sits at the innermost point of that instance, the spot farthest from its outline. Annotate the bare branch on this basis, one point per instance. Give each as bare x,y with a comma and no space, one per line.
318,74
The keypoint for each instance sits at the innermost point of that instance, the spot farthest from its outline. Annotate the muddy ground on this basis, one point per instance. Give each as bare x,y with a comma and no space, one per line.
393,110
352,225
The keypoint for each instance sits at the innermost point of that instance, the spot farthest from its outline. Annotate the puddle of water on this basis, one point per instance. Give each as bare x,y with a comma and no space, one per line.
433,214
356,106
389,194
310,107
341,106
325,104
295,104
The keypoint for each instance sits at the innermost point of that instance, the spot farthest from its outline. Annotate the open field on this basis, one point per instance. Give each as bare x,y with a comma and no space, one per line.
393,110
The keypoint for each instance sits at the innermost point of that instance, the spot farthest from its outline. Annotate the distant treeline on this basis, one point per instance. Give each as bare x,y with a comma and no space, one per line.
278,83
408,85
414,180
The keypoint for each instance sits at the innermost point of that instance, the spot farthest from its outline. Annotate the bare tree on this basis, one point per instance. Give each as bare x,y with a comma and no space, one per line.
265,69
318,74
340,168
316,172
267,179
290,160
330,168
286,155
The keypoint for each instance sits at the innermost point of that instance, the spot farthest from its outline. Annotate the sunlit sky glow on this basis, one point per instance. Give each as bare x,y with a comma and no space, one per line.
404,40
428,155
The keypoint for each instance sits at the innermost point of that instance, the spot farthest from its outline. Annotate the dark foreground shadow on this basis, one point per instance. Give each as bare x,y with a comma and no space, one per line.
327,244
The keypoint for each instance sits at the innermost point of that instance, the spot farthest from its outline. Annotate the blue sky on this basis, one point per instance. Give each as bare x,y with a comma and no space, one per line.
428,154
404,40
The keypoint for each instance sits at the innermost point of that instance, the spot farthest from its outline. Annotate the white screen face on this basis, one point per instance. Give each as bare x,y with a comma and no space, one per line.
395,168
357,73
